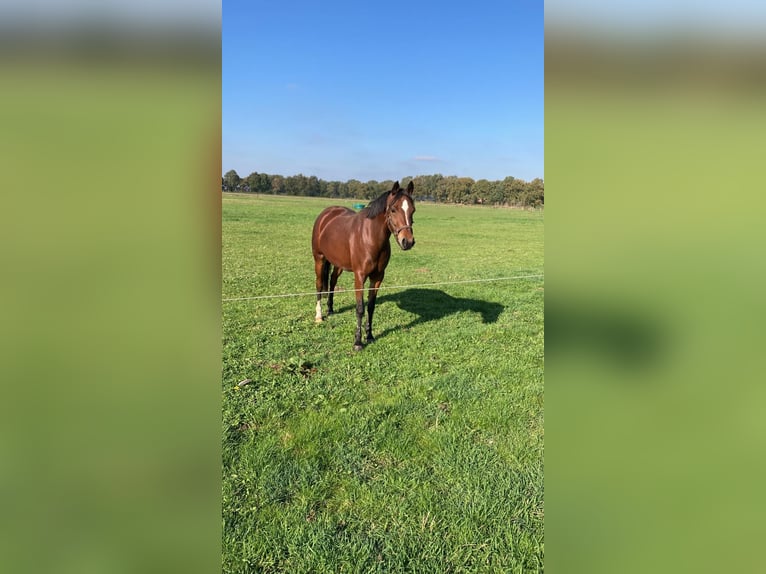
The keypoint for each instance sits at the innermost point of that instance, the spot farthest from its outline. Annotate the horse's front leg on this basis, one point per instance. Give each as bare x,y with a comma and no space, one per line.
375,282
359,286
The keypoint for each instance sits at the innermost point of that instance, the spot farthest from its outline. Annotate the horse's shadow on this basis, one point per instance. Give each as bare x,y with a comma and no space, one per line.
433,304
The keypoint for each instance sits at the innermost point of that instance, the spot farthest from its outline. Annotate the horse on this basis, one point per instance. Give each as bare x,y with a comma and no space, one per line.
360,242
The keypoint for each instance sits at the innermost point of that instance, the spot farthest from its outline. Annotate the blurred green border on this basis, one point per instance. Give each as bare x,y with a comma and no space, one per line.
110,245
654,154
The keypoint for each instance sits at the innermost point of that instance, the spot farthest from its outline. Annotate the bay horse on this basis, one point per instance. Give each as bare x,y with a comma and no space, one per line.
360,242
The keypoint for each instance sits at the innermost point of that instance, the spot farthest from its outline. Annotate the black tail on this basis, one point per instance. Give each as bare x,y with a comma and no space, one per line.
326,276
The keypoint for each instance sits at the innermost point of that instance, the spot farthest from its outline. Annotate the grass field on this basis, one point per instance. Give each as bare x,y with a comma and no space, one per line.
421,453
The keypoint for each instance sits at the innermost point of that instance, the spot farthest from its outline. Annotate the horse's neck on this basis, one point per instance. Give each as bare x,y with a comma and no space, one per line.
379,228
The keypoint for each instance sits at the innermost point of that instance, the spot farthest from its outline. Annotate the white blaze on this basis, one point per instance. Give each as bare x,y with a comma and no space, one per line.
406,208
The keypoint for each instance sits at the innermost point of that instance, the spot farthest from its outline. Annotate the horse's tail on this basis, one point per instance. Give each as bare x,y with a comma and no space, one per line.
325,276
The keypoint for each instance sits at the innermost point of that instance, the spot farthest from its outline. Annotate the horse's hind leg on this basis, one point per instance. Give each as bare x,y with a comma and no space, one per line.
322,270
359,286
336,271
372,294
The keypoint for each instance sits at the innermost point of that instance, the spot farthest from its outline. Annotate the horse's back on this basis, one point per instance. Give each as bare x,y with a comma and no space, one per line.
328,216
330,213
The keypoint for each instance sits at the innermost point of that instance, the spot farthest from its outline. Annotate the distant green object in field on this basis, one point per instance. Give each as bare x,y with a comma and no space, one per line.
359,206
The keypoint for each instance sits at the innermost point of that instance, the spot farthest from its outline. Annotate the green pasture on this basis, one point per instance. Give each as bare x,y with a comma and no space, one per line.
421,453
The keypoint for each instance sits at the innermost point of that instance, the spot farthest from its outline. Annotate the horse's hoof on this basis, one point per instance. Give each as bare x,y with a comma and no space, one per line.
318,319
370,339
358,347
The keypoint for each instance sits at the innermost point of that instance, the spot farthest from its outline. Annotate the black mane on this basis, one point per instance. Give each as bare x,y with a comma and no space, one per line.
377,206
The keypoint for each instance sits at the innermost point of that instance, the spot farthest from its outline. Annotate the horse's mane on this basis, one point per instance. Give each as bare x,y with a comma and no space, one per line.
377,206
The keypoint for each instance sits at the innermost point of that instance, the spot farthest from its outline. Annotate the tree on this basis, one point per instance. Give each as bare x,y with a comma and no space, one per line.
312,186
465,186
481,192
356,189
455,189
436,187
514,190
535,195
372,189
497,193
231,180
441,188
277,184
258,182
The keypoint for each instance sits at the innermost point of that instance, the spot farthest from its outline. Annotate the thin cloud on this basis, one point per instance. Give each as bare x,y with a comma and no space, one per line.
426,158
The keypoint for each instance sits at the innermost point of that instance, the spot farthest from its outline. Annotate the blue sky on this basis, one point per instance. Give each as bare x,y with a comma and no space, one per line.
383,90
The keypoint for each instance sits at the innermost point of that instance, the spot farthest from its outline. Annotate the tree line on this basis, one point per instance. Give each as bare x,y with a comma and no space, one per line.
446,189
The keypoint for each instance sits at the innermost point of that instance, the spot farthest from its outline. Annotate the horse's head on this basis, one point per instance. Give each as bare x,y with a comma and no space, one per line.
399,209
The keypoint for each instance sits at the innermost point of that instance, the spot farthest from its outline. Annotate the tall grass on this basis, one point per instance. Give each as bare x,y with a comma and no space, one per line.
421,453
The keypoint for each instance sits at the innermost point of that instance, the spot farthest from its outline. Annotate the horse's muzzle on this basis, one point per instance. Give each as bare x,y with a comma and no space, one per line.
406,244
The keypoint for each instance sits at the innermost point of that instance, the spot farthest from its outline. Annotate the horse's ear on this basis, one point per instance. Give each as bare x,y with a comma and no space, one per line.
410,187
395,188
